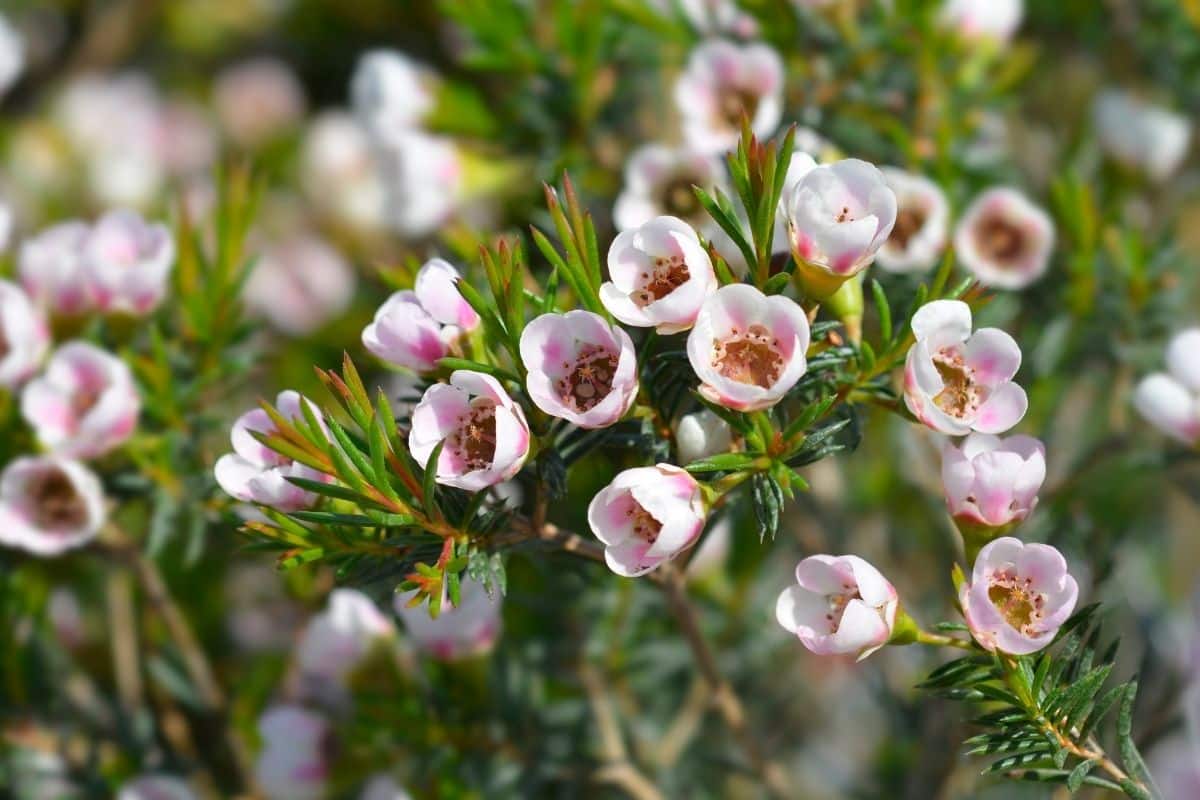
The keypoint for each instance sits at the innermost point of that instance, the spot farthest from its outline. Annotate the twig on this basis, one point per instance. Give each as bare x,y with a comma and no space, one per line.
683,728
618,770
126,667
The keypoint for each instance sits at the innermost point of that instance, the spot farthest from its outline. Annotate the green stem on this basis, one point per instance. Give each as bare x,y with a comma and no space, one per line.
938,640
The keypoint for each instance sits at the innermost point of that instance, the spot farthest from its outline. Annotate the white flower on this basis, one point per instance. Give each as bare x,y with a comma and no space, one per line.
423,179
1171,400
51,268
24,336
340,637
471,628
839,605
49,505
701,434
722,82
1004,240
659,181
340,173
995,20
156,787
390,92
922,223
299,284
1140,135
6,225
127,263
383,787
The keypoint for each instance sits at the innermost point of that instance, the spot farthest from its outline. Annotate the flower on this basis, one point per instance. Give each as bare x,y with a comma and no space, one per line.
659,181
257,100
404,334
126,263
1141,135
974,20
922,223
84,404
1018,597
50,265
581,368
24,336
660,276
12,55
713,17
955,381
254,473
471,628
800,164
383,787
1004,240
992,483
701,434
299,284
840,605
747,348
436,287
390,92
485,433
646,516
156,787
722,82
839,215
423,180
49,504
340,173
294,761
1170,401
340,637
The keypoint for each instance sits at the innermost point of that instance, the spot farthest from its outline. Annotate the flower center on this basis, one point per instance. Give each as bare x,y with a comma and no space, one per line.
1016,601
752,357
56,504
590,380
960,396
732,102
1001,240
909,221
837,606
668,274
84,400
678,198
475,440
645,526
845,215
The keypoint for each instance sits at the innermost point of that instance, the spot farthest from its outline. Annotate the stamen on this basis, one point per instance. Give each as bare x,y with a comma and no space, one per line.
55,502
960,396
909,221
1001,240
667,275
645,526
1017,603
590,380
475,440
752,357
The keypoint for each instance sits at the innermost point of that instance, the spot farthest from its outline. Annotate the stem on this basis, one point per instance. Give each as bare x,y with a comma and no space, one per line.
938,640
618,769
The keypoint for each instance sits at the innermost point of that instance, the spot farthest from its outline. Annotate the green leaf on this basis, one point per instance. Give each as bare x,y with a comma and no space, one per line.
1075,779
429,482
723,462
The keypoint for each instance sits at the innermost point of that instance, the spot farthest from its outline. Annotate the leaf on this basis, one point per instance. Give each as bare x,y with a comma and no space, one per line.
1075,779
429,482
723,462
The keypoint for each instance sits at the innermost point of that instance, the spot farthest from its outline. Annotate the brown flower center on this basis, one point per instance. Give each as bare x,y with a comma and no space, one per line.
751,357
1016,601
55,502
84,400
909,221
590,380
732,102
960,395
475,440
837,606
1001,240
667,275
678,199
645,526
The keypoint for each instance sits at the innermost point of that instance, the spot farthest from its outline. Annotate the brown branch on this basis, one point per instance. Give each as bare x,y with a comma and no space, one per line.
618,769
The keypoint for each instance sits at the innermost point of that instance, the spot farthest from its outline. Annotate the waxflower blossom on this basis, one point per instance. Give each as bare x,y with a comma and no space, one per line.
156,787
294,762
1018,597
50,265
992,483
660,274
436,288
254,473
84,404
1004,240
24,336
840,605
1140,135
922,223
126,263
722,82
839,215
390,92
956,381
340,637
485,433
258,100
646,516
299,284
1170,400
423,179
748,349
340,173
701,434
49,504
659,181
980,20
469,629
404,334
581,368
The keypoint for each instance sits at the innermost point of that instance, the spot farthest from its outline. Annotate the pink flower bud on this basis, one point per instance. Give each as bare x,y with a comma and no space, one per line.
842,605
1170,401
340,637
299,284
955,381
156,787
922,223
1018,597
404,334
485,433
258,100
660,276
1004,240
581,368
24,337
127,263
646,516
436,287
659,181
49,504
294,762
1140,135
747,348
254,473
471,628
722,82
977,20
51,268
992,482
84,404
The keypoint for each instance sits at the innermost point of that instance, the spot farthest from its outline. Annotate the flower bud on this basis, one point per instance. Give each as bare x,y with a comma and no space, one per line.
1170,401
294,762
390,93
436,288
841,605
991,484
404,334
701,434
1004,240
340,637
299,284
1140,135
471,628
722,82
922,223
51,268
127,262
24,337
49,504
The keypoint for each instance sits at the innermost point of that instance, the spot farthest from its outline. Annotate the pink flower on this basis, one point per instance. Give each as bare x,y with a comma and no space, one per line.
24,337
660,276
975,20
156,787
581,368
254,473
299,284
258,100
713,17
1018,597
659,181
646,516
340,637
841,605
49,504
404,334
295,758
722,82
471,628
748,349
51,268
1170,401
84,404
127,263
992,482
1004,240
839,215
955,381
486,436
922,223
436,287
